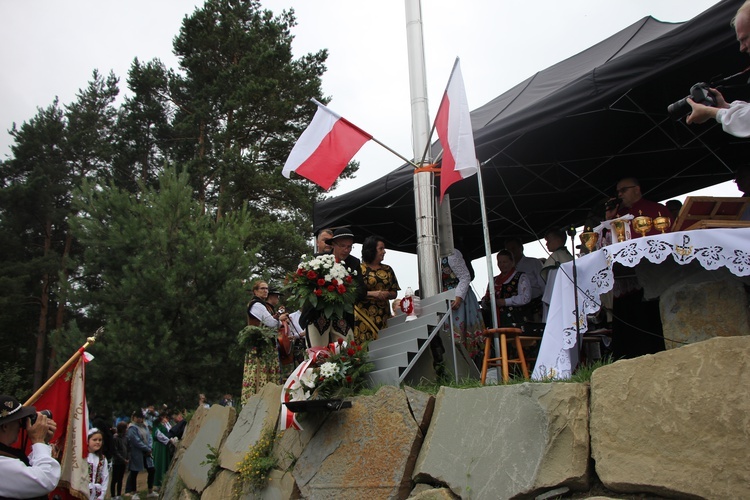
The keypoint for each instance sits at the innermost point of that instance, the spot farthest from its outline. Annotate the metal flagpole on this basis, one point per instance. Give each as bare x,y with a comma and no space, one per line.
424,198
488,256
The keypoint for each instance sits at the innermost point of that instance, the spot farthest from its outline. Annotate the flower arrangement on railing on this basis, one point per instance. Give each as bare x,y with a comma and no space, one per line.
324,284
336,371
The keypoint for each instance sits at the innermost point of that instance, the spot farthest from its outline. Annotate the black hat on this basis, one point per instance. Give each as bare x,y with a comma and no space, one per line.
274,291
342,232
11,409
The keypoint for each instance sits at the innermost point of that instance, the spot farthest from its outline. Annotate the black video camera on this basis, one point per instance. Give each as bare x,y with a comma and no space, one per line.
700,93
46,413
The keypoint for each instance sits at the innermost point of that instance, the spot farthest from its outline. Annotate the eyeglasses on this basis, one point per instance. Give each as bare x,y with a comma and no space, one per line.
262,288
624,188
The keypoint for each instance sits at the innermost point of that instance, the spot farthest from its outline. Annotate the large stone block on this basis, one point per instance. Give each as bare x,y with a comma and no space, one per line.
676,423
499,442
695,312
366,451
223,486
260,412
215,427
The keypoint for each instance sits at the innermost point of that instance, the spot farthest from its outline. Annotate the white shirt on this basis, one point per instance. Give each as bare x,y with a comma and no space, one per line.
532,268
458,266
97,491
259,311
20,481
524,291
735,120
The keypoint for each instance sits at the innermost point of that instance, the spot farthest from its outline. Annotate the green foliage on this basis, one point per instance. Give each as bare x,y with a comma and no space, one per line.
256,465
146,218
166,280
212,460
337,374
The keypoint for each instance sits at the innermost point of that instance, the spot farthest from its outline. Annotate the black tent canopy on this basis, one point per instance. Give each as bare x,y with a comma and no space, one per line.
553,147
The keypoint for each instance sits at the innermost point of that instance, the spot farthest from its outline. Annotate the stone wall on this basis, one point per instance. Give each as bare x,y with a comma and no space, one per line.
673,425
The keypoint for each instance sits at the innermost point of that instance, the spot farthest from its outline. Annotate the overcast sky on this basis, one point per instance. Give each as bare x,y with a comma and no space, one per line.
50,48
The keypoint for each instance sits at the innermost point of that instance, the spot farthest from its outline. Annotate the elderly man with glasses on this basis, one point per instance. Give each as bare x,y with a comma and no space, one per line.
630,200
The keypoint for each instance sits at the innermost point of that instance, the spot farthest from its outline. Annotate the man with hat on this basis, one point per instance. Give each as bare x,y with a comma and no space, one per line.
342,242
26,477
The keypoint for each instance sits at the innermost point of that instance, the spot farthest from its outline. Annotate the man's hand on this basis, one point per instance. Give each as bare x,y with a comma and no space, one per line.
700,113
42,430
456,303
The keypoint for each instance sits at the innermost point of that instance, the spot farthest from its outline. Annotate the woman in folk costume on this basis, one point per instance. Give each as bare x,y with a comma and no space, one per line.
162,450
466,317
98,466
512,292
371,314
261,364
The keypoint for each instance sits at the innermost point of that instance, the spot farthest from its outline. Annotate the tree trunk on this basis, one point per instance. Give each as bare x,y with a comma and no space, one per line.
60,316
41,334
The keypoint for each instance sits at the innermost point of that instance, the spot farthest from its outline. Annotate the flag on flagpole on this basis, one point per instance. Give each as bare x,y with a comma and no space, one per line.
325,148
453,124
66,398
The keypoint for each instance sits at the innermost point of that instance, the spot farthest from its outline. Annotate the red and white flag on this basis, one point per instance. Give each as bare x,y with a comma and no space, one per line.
325,148
453,124
66,398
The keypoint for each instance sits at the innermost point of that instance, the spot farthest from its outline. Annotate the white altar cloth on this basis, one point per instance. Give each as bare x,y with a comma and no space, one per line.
711,248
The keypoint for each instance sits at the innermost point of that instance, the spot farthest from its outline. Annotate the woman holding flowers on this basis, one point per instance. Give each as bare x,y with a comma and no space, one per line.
371,314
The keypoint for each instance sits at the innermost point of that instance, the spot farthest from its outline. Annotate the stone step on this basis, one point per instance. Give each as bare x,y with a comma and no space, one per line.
424,320
386,376
407,344
399,360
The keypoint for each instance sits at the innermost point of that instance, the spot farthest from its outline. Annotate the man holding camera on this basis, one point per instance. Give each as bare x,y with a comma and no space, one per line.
735,116
26,477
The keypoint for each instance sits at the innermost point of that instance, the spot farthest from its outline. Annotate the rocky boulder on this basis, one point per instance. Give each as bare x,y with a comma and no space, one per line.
506,441
366,451
675,423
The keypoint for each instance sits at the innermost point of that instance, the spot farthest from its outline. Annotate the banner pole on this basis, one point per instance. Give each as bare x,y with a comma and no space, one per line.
63,368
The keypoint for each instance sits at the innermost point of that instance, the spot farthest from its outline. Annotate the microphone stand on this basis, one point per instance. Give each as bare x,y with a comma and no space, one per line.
572,233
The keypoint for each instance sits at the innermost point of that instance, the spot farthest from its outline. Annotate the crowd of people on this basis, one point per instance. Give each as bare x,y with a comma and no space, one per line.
145,442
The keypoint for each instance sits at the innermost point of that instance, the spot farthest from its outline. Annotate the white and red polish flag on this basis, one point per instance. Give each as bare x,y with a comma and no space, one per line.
325,148
453,124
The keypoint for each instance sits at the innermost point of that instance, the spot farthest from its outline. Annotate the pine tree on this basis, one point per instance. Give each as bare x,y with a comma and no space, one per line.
165,279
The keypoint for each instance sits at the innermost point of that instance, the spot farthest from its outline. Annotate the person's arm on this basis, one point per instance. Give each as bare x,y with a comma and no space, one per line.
735,120
161,437
391,292
458,265
20,481
135,440
524,293
701,113
259,311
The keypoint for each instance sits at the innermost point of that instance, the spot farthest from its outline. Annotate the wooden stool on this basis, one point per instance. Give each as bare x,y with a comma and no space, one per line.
505,334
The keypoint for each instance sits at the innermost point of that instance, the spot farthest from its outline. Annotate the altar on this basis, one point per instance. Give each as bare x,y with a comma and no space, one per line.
711,249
